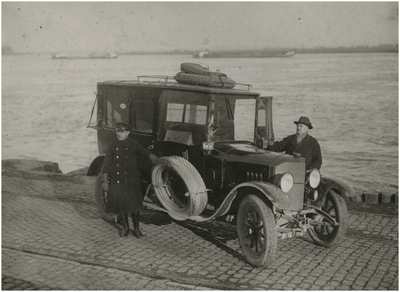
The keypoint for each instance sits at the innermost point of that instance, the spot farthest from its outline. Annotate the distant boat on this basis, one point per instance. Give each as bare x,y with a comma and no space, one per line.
87,56
289,54
255,54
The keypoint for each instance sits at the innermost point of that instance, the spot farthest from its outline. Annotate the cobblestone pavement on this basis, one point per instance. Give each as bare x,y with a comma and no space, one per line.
54,238
50,273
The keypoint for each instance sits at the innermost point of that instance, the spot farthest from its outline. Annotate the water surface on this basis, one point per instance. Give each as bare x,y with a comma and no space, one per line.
351,99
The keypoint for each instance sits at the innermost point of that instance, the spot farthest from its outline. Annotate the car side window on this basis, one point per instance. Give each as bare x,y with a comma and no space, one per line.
117,106
196,114
187,113
142,110
144,116
175,112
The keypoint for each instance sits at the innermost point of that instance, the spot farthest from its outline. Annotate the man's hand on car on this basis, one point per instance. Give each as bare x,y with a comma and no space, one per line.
153,159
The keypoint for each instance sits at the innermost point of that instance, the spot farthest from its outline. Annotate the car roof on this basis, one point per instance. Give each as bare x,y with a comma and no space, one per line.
169,84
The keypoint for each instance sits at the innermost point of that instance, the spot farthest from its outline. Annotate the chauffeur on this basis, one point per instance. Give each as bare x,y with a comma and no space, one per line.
121,178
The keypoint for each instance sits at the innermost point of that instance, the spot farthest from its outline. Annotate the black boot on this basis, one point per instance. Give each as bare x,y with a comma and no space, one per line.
138,233
125,226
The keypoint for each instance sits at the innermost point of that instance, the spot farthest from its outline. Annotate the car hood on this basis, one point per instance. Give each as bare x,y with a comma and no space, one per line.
248,153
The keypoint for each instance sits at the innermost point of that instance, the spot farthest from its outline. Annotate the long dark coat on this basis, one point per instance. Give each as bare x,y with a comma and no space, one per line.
125,194
308,148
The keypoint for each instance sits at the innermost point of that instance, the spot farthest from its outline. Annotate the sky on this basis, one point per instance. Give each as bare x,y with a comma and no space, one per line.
168,26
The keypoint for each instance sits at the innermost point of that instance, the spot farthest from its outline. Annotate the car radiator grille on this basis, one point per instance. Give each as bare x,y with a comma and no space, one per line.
296,194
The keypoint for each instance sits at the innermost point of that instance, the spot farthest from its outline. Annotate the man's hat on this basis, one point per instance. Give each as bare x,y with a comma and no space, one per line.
304,121
121,126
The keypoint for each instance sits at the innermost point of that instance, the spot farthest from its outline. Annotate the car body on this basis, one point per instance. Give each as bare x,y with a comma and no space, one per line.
214,163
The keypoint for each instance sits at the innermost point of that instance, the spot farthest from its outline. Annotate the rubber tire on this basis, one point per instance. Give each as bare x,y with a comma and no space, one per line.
187,178
338,210
99,192
254,205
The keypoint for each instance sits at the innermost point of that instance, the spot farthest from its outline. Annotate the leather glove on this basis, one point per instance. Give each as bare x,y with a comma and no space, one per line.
153,159
104,185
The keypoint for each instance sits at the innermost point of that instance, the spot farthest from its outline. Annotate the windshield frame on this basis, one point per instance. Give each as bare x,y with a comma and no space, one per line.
222,116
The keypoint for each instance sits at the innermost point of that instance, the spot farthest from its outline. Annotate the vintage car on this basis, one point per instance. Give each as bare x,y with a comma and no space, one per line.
211,138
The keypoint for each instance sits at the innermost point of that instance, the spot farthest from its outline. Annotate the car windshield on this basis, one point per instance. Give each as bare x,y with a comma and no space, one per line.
183,117
234,118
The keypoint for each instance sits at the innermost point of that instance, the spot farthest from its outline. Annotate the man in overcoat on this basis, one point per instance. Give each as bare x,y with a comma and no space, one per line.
121,178
301,144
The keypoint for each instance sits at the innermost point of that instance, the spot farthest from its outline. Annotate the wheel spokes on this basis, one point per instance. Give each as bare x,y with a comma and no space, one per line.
253,243
260,241
252,217
103,198
255,229
256,243
330,208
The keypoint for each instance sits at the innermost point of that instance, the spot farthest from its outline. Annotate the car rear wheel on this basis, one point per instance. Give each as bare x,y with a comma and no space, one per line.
256,231
328,235
101,199
179,187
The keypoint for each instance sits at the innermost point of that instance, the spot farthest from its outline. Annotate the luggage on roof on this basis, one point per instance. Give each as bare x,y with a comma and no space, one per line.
197,74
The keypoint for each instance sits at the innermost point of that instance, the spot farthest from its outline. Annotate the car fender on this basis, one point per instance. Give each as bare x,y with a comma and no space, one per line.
327,183
272,193
95,166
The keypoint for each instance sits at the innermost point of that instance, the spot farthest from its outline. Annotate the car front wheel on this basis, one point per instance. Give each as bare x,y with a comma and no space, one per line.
256,231
331,235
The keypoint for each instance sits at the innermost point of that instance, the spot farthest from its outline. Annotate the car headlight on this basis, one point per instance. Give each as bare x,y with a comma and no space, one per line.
286,182
314,178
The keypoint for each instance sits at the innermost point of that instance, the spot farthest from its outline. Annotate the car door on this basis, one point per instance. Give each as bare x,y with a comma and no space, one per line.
142,118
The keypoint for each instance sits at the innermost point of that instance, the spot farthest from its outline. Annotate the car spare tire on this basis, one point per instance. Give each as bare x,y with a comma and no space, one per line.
179,187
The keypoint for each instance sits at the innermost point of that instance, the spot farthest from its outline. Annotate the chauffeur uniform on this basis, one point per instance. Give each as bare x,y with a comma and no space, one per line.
121,171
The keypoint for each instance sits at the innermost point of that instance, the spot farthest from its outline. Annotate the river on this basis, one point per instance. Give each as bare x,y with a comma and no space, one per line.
351,100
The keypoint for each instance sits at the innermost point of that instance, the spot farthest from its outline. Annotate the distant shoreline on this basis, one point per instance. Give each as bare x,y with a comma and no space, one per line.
173,53
318,50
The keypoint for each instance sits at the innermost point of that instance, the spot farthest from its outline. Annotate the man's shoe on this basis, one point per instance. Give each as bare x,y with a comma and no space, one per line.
138,233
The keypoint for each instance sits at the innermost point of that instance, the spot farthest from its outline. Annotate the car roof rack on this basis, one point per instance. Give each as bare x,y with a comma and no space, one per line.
170,79
166,79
